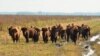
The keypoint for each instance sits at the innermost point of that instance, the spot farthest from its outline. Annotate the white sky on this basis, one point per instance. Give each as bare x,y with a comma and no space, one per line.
67,6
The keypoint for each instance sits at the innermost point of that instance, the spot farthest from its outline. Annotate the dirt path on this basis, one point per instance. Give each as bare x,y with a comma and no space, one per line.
60,49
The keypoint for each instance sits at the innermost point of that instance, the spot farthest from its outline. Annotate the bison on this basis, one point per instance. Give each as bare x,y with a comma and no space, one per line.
45,34
63,34
31,33
60,28
54,34
14,33
85,32
68,29
73,34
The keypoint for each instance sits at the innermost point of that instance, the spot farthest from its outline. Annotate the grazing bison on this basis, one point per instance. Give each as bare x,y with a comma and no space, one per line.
54,34
31,33
45,34
14,33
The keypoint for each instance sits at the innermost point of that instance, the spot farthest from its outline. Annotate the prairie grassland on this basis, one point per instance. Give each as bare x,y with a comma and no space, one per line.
8,48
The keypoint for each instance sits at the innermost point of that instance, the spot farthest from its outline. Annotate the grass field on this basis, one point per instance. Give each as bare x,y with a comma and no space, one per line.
8,48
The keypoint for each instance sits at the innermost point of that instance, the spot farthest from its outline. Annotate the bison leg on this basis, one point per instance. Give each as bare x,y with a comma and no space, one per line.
13,39
52,39
35,38
62,37
17,38
46,39
68,36
43,39
75,39
67,39
85,36
27,39
55,40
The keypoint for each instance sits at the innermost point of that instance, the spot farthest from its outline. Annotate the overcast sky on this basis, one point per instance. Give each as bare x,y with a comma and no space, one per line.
66,6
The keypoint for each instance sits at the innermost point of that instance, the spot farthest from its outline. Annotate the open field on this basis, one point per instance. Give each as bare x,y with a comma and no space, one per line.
7,48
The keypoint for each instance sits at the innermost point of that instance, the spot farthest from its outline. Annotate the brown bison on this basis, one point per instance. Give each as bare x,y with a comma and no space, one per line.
73,33
80,30
14,33
54,34
85,31
60,28
31,33
68,29
45,34
63,34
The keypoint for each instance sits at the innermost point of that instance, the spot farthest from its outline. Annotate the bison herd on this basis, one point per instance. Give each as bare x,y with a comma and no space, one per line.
71,32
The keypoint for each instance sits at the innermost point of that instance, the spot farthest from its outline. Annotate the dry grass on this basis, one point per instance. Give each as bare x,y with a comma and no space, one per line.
7,48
